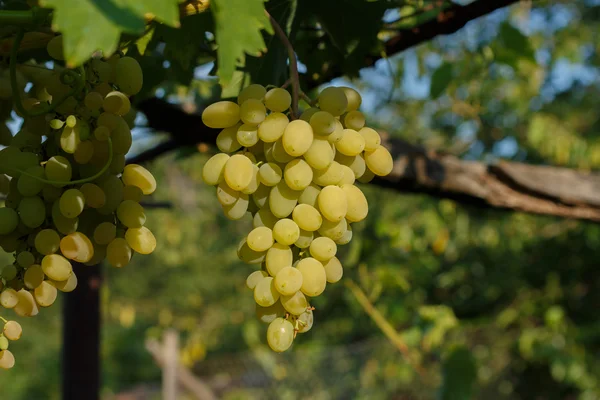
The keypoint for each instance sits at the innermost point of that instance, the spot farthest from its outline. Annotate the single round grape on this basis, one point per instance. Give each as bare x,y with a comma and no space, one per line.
213,171
93,101
117,103
66,286
280,335
355,163
351,144
297,138
286,231
337,135
131,214
278,152
379,161
254,91
304,240
227,139
272,128
295,304
309,195
353,97
32,211
9,298
348,177
268,314
226,195
307,217
252,112
288,281
323,248
278,100
333,270
333,230
56,267
34,276
128,75
254,182
314,279
372,138
331,175
278,257
45,294
254,278
131,192
93,194
333,100
141,240
346,237
122,138
55,48
139,176
264,217
12,330
260,239
247,135
9,220
222,114
9,272
72,203
319,155
249,256
77,246
305,321
63,224
118,253
298,174
25,259
113,189
366,177
26,307
270,174
265,293
3,343
282,200
354,120
69,139
358,207
322,123
7,359
30,186
238,209
238,172
333,204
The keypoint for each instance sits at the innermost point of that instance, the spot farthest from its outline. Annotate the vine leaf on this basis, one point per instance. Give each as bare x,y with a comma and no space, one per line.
238,25
440,79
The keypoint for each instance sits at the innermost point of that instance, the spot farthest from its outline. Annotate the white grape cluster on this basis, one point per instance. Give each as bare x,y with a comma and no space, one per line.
69,195
296,179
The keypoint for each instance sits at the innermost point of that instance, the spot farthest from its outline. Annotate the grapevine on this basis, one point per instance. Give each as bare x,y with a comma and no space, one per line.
69,195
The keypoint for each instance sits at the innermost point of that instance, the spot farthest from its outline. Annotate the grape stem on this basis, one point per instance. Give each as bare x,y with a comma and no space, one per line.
3,320
286,84
294,77
77,182
29,17
15,90
310,101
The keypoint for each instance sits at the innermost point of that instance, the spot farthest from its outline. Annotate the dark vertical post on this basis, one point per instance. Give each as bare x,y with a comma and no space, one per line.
81,336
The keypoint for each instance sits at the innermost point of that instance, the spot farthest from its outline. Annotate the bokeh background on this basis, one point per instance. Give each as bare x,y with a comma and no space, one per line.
436,295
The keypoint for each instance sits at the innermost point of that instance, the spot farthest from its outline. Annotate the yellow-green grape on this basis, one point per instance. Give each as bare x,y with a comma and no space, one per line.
309,195
63,224
238,172
57,123
26,307
333,230
7,359
93,101
278,152
354,120
355,163
278,257
307,115
254,182
333,270
9,298
103,88
226,195
333,100
77,246
32,211
128,75
141,240
331,175
121,138
213,171
131,192
47,242
45,294
254,278
379,161
297,138
69,139
34,276
260,239
248,154
249,256
9,220
367,176
261,196
348,176
28,185
238,209
55,48
12,330
117,103
25,259
358,207
298,174
337,135
102,133
295,304
56,267
9,272
113,189
247,135
265,293
72,203
323,248
118,253
93,194
307,217
139,176
314,279
102,70
305,321
282,200
131,214
372,138
254,91
280,335
109,120
84,152
353,97
319,155
270,174
346,237
333,204
71,121
304,240
278,100
252,111
288,281
351,144
264,217
268,314
286,231
322,123
66,286
222,114
272,128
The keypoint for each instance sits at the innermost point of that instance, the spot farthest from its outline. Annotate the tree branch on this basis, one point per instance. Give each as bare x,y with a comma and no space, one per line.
545,190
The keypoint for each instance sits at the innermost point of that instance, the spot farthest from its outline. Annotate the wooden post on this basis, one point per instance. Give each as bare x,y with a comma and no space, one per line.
171,357
81,336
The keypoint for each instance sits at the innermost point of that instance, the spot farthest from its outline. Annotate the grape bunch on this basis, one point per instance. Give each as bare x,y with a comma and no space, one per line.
69,195
296,179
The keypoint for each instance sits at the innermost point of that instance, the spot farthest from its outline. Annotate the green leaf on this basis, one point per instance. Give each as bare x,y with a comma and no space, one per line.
514,40
238,25
440,80
142,43
459,374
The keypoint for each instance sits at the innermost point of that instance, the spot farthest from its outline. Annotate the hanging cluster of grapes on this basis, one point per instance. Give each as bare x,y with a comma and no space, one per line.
296,178
70,195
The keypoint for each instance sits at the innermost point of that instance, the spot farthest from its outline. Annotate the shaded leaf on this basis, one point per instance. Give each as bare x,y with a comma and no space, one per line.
459,375
440,79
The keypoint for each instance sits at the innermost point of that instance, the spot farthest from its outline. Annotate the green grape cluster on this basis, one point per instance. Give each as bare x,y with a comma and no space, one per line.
69,195
296,179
